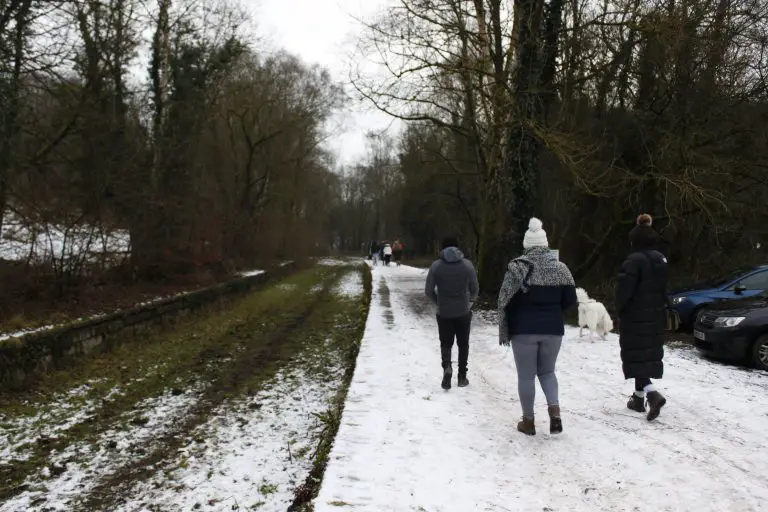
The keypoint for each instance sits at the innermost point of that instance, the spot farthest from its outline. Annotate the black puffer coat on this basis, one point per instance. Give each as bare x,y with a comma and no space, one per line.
641,296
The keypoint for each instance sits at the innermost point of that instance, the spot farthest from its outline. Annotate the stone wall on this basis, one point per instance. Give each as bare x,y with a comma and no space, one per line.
23,359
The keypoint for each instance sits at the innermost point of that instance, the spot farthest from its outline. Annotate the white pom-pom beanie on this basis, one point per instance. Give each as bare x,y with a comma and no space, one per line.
535,236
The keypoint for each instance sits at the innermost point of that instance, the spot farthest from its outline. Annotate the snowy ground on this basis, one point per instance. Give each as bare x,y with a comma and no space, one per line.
203,439
337,262
24,239
350,285
75,470
249,273
18,334
252,454
405,444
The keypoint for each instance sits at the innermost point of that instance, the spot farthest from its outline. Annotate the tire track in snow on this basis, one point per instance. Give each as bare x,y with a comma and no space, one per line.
389,316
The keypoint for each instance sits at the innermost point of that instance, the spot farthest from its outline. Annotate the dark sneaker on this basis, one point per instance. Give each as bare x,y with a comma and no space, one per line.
555,423
527,426
447,374
636,403
655,402
463,382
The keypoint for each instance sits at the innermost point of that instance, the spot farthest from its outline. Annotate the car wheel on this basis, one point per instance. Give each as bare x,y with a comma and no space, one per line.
695,318
760,353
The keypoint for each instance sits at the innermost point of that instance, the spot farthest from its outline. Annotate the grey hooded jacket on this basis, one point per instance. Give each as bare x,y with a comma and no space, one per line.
452,284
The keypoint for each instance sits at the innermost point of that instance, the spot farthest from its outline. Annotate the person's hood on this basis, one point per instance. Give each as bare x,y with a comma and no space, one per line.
451,255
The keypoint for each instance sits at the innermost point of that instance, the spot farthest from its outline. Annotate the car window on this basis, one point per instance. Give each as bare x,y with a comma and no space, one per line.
757,281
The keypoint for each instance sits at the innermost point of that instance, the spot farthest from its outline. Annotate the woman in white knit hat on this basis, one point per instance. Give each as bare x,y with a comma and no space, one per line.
536,292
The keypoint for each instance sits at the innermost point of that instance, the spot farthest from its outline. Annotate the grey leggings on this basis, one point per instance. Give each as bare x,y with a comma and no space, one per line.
536,354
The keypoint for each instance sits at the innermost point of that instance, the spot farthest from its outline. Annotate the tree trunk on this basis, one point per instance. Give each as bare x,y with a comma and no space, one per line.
552,28
148,223
514,191
159,73
10,100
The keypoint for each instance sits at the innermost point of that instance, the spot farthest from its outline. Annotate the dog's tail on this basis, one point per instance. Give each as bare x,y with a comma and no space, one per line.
592,319
581,295
607,323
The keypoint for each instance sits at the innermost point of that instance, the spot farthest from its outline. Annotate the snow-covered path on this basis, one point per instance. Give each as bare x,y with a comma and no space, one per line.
405,444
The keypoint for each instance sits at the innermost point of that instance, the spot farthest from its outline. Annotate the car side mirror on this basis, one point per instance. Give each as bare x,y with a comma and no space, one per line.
739,289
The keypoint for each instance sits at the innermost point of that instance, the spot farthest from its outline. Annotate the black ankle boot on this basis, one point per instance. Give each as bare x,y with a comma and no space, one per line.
636,403
447,374
463,382
655,402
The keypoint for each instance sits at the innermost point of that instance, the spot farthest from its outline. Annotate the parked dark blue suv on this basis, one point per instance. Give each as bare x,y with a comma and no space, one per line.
743,283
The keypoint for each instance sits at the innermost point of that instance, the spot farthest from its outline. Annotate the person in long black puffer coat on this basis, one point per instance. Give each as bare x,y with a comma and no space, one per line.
641,297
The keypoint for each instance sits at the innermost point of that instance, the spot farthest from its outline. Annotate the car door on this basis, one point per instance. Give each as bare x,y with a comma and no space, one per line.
749,286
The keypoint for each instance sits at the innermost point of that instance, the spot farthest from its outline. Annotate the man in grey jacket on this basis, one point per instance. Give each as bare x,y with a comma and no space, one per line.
452,285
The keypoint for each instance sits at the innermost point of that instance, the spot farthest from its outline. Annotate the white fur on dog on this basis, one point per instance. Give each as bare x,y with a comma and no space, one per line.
593,315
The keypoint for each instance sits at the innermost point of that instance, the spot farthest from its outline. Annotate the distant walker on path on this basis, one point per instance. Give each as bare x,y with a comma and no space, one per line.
387,253
375,248
397,252
452,285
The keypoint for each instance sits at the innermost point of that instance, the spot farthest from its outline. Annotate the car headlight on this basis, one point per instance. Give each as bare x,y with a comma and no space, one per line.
677,300
728,321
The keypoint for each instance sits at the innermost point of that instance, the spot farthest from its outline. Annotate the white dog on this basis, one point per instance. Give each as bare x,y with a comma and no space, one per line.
593,315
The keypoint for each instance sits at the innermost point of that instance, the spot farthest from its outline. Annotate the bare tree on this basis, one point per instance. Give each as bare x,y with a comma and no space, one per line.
14,31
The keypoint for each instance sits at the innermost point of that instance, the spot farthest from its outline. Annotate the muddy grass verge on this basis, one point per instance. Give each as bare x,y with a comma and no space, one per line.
259,445
331,419
194,358
258,362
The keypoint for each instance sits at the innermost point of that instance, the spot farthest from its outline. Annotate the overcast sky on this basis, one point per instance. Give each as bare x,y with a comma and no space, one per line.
324,32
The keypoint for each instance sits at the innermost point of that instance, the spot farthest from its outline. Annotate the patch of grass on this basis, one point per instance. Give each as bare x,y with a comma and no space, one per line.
331,418
300,453
266,489
675,340
194,351
20,322
15,323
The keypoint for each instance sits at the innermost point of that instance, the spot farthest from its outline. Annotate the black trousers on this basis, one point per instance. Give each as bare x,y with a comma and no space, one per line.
641,382
457,329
